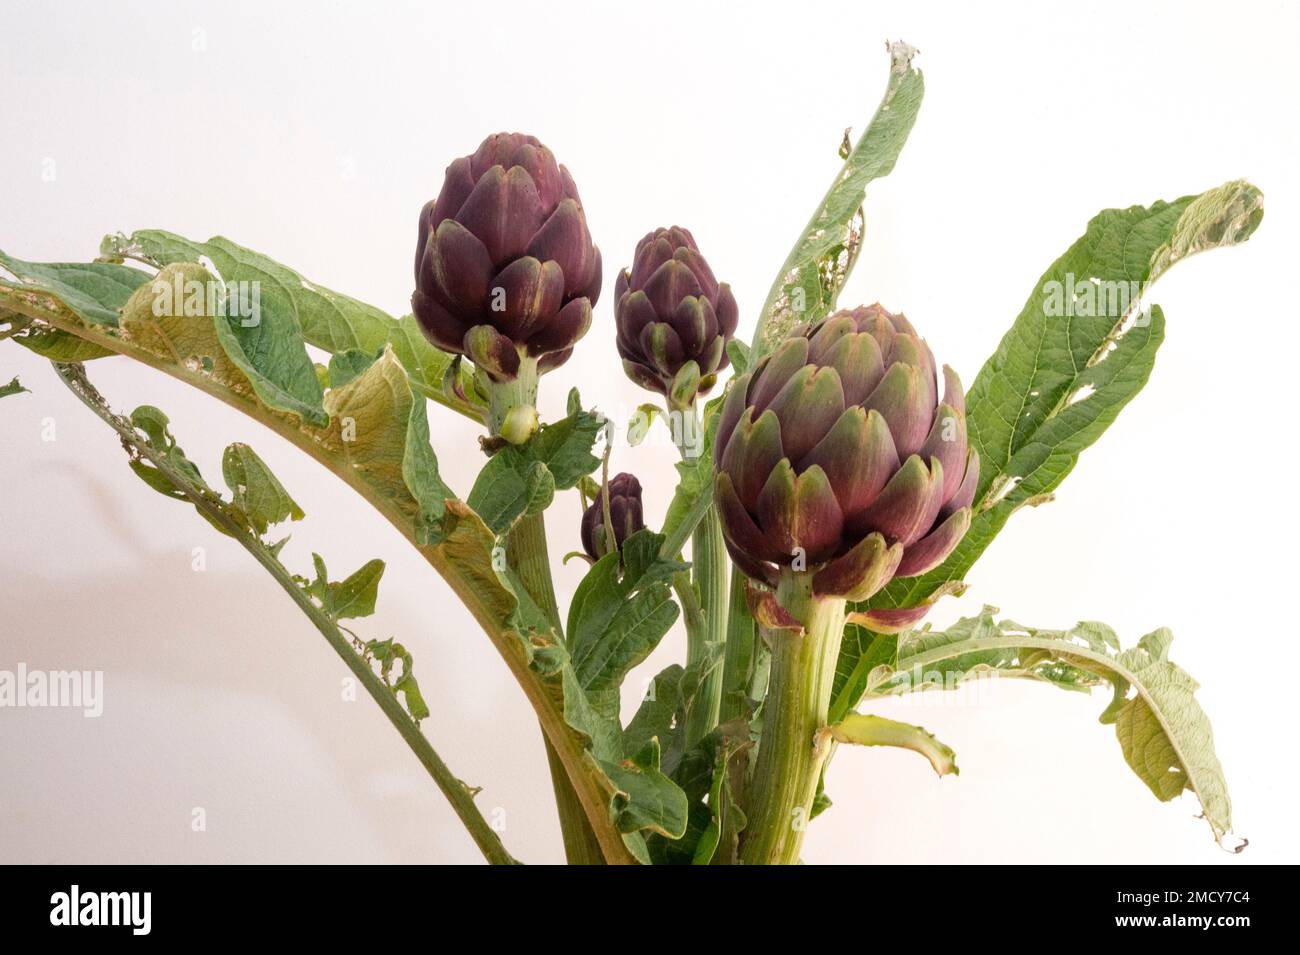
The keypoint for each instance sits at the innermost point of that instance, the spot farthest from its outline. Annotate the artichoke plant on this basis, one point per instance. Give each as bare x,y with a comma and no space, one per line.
837,456
624,514
839,461
505,269
674,317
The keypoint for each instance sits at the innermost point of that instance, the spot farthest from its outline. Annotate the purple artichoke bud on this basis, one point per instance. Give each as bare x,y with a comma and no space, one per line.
624,512
505,271
674,318
836,456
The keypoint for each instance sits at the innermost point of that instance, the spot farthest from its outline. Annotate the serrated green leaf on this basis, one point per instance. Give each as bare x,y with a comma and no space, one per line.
328,319
154,424
256,491
269,349
619,615
181,310
565,447
325,318
352,597
820,262
1057,381
513,483
1164,733
1162,730
94,291
644,797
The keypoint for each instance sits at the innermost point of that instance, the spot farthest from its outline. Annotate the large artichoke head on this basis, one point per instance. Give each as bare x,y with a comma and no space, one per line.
505,270
837,457
674,317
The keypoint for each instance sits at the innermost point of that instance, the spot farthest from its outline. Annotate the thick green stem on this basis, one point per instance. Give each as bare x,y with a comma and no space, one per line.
512,414
581,847
706,633
794,747
738,660
527,553
705,644
457,793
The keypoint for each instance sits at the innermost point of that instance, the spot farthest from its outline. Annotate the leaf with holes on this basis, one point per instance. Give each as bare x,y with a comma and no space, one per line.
95,291
1163,732
327,319
256,492
1079,351
820,263
388,653
354,596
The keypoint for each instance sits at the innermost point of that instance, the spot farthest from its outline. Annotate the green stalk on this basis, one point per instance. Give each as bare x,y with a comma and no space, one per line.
510,404
527,553
738,661
793,748
457,793
706,640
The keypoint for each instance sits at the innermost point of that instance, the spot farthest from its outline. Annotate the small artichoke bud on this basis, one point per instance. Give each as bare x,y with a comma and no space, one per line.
624,512
836,455
505,269
671,312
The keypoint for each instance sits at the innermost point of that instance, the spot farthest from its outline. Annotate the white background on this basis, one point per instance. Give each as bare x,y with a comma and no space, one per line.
314,133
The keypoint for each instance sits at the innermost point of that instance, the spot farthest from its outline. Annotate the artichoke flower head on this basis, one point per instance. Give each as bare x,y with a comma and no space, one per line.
839,457
505,269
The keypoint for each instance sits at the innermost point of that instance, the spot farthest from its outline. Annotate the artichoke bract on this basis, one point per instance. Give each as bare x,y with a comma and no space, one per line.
837,457
674,318
505,269
624,513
